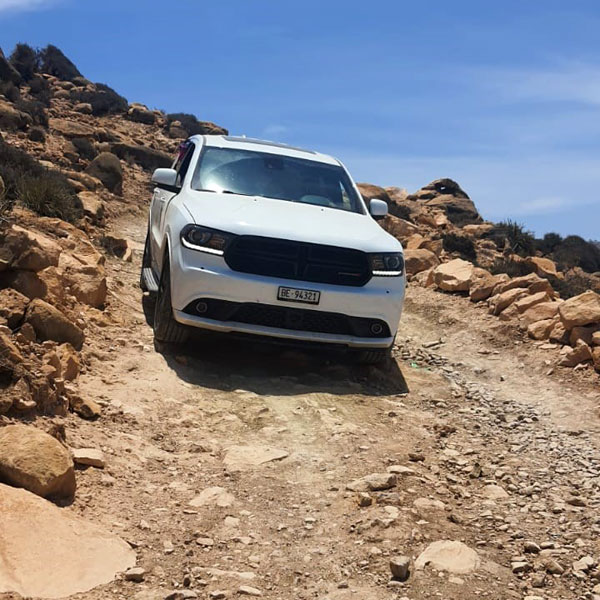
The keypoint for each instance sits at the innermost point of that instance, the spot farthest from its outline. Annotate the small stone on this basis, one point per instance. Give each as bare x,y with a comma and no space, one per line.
553,567
416,456
183,595
364,500
218,595
205,541
400,567
135,574
583,564
90,457
373,482
520,567
538,580
246,590
531,548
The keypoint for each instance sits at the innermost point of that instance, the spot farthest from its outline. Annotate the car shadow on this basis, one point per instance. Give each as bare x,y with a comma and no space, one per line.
268,367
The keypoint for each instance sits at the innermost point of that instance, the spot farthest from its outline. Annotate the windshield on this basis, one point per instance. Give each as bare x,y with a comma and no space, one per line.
235,171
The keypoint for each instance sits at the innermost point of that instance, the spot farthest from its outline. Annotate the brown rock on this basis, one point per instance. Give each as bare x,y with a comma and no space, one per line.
71,129
84,407
93,207
12,306
84,108
89,457
414,242
88,284
453,276
482,288
69,360
526,303
48,552
541,330
436,246
559,334
584,334
8,351
596,338
540,312
544,267
32,251
107,168
596,357
581,310
12,119
500,302
50,324
575,356
419,260
34,460
399,228
29,284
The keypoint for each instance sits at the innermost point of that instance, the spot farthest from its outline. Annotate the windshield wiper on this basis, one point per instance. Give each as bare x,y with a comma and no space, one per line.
236,193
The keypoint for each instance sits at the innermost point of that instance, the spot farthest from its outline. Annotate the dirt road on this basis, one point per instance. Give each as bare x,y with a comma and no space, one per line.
485,449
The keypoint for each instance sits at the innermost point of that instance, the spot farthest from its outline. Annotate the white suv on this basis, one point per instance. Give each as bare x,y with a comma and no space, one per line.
260,238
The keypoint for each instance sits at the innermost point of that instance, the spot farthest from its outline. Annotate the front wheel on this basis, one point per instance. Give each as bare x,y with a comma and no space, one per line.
166,328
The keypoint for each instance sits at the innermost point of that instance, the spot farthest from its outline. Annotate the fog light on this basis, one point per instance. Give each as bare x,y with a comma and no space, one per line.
376,328
201,308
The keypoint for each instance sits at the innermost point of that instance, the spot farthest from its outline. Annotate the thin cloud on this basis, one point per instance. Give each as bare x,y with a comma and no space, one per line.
22,5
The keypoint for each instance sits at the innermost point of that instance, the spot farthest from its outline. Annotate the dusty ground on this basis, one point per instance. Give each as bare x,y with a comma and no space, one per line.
478,409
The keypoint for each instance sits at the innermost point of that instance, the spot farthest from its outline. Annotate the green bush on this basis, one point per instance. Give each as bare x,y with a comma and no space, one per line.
462,244
514,236
548,243
49,196
25,60
85,148
26,181
54,62
513,268
40,90
574,251
10,91
36,110
37,134
104,100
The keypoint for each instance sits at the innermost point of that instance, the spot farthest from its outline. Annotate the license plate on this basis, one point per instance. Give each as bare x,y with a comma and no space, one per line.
298,295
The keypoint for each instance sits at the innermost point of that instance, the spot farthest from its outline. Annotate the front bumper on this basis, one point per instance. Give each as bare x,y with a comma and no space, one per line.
197,275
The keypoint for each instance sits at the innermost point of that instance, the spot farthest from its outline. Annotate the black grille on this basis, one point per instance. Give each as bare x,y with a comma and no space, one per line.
282,317
300,261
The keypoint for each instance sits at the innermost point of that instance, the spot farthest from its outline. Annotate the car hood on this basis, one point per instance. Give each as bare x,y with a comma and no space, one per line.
250,215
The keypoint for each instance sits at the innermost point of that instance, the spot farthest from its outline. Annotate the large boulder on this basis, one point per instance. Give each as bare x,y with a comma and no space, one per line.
34,460
369,192
10,355
544,266
88,284
501,302
526,303
32,251
28,283
539,312
454,276
107,168
581,310
93,207
575,356
148,158
399,228
596,358
541,330
419,260
51,324
482,287
48,552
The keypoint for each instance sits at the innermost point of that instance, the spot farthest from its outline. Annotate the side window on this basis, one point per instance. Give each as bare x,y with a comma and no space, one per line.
183,159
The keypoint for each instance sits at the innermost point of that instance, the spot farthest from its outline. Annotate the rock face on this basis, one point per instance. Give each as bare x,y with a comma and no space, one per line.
50,324
12,307
71,129
581,310
107,168
447,195
49,553
454,276
454,557
36,461
32,251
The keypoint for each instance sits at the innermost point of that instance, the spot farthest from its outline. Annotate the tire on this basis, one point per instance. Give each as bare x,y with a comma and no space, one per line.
146,262
374,356
166,328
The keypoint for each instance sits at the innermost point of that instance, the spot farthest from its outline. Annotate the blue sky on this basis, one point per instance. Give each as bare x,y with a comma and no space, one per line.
504,97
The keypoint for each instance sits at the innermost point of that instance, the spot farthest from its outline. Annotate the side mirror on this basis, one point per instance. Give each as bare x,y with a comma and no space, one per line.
378,209
165,179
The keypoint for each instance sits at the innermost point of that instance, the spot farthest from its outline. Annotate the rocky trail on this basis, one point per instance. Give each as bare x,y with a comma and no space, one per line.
234,468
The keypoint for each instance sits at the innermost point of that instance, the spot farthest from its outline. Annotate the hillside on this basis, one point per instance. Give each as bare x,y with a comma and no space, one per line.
232,468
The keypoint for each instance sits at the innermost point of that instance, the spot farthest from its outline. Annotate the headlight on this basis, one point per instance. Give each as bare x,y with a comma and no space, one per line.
388,264
204,239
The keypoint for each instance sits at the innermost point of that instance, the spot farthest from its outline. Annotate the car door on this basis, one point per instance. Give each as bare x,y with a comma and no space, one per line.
160,203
